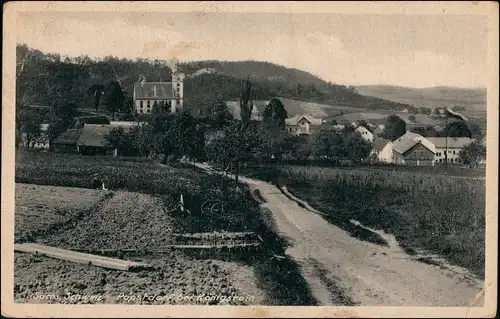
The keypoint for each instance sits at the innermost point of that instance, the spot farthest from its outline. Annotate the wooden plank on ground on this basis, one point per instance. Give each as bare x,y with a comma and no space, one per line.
214,234
167,248
82,258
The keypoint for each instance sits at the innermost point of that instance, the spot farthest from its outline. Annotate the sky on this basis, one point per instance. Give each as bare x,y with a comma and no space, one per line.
403,50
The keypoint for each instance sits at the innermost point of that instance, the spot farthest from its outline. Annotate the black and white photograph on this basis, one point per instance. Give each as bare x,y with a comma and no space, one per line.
204,154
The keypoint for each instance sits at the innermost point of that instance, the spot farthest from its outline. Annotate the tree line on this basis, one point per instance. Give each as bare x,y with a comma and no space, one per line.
44,78
229,143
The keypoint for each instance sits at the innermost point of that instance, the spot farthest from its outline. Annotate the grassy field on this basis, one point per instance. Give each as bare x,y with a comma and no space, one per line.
279,279
472,99
425,211
296,107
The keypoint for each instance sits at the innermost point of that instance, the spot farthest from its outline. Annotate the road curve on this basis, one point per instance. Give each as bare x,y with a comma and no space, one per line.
370,274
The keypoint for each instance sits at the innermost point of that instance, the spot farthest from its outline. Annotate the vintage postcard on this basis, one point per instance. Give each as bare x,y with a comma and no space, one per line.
249,159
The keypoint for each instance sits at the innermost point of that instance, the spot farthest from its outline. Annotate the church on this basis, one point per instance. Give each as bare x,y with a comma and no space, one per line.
167,95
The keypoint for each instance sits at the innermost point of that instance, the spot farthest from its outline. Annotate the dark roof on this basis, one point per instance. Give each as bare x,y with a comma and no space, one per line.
94,135
450,142
68,137
297,118
380,143
153,90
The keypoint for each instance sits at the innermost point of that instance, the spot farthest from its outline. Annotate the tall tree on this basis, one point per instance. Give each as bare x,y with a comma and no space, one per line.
457,129
357,148
395,128
246,104
29,126
57,126
114,97
218,113
96,91
66,111
246,107
272,141
472,153
275,113
475,130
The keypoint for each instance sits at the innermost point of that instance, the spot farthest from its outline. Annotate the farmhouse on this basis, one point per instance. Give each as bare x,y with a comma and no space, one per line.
413,149
302,124
90,139
365,133
66,142
448,148
167,95
382,150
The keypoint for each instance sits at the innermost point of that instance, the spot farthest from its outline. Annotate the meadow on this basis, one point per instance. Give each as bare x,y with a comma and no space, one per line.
429,212
280,279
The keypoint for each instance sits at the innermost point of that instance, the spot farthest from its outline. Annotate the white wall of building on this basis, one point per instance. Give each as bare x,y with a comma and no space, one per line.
452,155
365,133
386,154
146,110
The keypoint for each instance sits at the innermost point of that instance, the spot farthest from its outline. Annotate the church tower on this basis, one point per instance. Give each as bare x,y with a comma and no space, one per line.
178,90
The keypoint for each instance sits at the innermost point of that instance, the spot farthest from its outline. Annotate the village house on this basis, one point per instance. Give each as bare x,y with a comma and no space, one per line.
365,133
302,124
90,139
377,132
382,150
167,95
449,148
413,149
66,142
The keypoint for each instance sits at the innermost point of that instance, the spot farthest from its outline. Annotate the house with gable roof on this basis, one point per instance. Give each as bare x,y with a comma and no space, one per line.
382,150
302,124
413,149
365,133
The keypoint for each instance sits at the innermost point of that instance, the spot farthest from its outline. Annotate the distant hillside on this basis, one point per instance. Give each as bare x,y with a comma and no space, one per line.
474,100
44,78
258,71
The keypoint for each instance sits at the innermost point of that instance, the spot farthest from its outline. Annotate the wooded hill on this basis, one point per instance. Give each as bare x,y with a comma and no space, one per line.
45,78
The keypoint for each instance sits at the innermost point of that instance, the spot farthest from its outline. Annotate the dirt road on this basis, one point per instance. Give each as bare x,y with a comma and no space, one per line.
370,274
